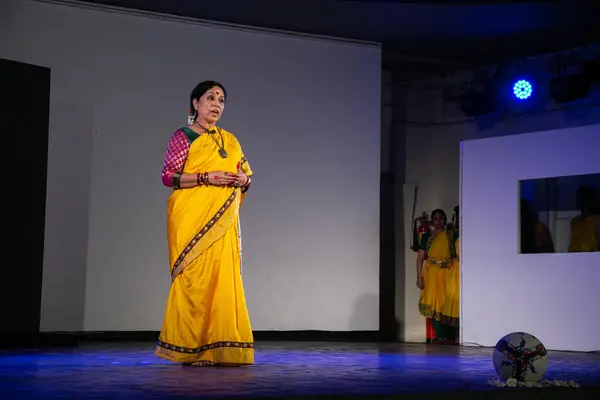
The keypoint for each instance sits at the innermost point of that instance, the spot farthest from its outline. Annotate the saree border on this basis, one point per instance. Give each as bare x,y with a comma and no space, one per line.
427,311
178,266
206,347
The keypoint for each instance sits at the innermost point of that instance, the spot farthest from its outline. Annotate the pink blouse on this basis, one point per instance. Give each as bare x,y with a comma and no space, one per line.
177,152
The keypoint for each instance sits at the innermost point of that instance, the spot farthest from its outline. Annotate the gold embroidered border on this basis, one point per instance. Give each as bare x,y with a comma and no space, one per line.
440,263
427,311
206,347
179,264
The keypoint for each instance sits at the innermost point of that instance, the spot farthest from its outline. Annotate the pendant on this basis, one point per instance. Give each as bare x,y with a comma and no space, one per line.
223,153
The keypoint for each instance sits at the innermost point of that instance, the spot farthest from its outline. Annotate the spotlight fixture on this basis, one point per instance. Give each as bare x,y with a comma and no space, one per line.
522,89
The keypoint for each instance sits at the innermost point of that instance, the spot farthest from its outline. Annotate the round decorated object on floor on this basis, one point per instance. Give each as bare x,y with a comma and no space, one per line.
520,356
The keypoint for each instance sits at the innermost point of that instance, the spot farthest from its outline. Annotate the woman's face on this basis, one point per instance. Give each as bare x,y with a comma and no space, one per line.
210,106
438,221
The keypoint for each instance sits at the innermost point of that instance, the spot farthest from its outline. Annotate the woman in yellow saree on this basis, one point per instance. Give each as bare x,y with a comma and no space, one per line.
435,257
206,320
451,311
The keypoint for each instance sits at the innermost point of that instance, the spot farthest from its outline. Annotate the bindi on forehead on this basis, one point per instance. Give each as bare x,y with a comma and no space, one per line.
215,92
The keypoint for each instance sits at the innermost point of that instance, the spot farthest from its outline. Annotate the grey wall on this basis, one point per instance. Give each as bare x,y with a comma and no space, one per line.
120,86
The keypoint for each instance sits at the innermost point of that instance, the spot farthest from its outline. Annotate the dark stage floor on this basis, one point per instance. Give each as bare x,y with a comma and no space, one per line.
130,370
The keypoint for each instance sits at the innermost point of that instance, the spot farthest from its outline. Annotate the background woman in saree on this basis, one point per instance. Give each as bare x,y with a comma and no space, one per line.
451,310
206,319
434,258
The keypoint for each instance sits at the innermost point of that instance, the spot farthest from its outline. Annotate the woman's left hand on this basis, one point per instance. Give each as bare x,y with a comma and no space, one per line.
241,178
420,283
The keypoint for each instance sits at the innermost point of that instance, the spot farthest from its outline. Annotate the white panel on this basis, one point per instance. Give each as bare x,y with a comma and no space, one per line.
552,296
415,330
307,112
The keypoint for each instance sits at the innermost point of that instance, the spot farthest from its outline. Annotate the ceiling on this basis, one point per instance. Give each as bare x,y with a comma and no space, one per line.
418,37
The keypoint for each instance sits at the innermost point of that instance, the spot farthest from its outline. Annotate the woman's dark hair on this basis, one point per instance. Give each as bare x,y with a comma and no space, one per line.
440,212
202,88
587,198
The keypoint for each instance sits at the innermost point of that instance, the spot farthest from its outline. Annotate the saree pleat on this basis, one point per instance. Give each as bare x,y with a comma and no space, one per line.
451,310
435,268
206,317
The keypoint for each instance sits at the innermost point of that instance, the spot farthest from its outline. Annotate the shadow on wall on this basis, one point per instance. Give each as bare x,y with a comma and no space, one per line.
364,308
398,334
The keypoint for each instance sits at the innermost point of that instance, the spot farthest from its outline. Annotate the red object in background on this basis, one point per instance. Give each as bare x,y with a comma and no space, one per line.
423,228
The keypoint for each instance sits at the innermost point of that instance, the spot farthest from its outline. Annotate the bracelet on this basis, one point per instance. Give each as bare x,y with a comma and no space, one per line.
176,180
202,178
246,185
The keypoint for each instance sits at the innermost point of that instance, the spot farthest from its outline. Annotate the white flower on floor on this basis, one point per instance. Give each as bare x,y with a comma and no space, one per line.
512,382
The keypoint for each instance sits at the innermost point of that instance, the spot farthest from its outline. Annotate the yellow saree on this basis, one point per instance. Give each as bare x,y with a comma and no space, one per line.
451,310
435,268
584,233
206,318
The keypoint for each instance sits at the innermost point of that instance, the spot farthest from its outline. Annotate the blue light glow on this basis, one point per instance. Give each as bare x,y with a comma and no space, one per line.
522,89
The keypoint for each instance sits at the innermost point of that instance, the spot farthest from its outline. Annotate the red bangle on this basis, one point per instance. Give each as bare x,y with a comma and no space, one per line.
199,179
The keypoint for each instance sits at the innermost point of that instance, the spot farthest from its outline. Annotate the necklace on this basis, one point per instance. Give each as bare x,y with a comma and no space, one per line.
221,146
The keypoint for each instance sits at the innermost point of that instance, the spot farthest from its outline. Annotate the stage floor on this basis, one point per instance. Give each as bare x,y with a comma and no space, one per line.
130,370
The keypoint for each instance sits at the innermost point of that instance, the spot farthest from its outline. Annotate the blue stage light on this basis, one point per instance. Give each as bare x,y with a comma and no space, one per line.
522,89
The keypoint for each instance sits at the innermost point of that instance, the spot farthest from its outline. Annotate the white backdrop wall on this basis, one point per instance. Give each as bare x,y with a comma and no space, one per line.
307,112
433,130
552,296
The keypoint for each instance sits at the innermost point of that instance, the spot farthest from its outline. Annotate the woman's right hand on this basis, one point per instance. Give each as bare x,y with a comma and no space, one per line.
220,178
420,283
